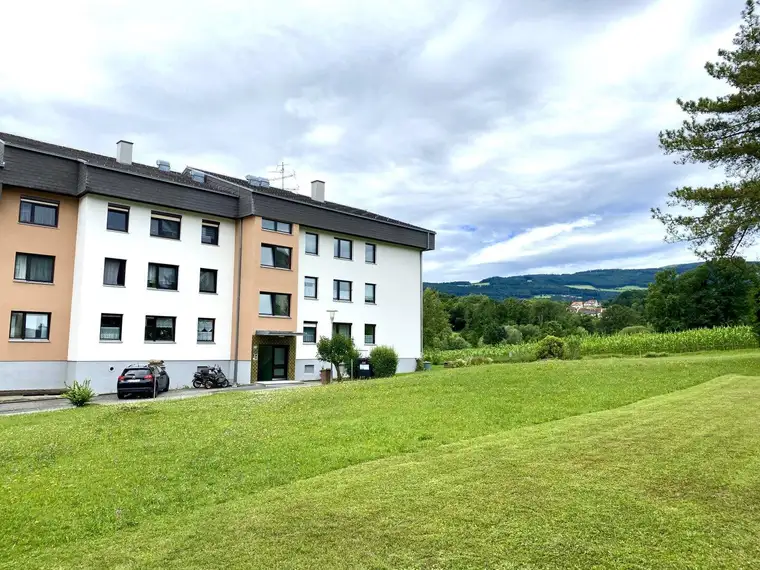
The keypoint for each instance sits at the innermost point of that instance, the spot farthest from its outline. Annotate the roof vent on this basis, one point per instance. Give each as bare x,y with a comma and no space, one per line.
257,181
318,190
124,152
163,165
2,154
198,176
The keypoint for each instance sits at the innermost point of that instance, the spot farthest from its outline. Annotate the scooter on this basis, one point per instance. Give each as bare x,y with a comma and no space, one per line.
210,378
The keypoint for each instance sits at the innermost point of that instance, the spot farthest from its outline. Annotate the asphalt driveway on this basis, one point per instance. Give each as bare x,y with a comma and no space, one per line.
32,404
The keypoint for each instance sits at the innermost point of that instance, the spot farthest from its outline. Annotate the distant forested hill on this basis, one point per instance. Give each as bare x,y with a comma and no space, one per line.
597,284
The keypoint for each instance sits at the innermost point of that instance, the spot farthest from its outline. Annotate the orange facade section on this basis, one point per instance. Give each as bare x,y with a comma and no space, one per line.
257,279
18,295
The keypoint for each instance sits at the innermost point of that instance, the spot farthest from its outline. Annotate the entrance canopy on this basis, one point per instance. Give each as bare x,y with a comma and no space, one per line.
278,333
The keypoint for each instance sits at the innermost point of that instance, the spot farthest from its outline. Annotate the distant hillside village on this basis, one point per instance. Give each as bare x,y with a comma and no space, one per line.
591,307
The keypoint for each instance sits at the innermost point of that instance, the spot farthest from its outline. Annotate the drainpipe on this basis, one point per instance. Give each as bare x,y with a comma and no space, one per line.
237,304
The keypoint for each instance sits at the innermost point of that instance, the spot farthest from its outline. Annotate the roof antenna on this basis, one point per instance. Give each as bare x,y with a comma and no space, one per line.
281,175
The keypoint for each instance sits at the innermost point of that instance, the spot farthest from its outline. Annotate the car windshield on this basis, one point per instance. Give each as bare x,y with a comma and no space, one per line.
136,372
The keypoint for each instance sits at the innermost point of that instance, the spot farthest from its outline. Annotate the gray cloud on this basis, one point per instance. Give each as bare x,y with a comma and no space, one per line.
500,116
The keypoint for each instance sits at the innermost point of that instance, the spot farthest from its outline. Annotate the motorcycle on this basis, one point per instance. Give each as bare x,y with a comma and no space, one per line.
208,378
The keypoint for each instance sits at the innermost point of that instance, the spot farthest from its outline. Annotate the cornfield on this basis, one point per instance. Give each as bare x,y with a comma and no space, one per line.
694,340
728,338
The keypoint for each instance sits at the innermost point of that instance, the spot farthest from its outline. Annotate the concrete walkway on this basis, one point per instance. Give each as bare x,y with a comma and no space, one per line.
32,404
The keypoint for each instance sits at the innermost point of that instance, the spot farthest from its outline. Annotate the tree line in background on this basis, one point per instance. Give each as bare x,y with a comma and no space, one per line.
722,292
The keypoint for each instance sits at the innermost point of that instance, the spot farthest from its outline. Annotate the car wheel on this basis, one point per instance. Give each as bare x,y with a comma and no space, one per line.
121,395
167,386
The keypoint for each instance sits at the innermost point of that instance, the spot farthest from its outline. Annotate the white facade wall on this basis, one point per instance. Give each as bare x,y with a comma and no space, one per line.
397,310
135,300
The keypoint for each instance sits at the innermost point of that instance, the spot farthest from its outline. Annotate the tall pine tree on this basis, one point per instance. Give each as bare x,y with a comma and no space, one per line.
721,132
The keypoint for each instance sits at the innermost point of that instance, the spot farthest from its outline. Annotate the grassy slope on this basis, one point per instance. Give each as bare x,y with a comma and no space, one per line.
219,460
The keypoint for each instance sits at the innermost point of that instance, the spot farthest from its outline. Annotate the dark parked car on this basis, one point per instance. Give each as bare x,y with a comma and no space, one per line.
149,379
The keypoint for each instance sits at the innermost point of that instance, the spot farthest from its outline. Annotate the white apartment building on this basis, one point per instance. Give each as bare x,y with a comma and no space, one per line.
109,262
366,289
146,286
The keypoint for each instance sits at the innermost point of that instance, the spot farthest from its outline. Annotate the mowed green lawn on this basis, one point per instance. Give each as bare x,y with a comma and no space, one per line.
650,463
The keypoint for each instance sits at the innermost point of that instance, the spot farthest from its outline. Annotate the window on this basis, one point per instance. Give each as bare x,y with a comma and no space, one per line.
343,248
341,290
312,244
160,329
38,212
370,251
110,327
309,332
369,293
162,276
118,218
35,268
308,369
206,330
30,326
310,287
275,256
274,304
165,225
342,329
208,281
114,271
210,232
273,226
369,334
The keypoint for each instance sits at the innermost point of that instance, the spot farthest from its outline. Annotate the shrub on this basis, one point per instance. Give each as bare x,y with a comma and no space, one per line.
459,363
636,329
580,331
553,328
479,360
494,334
530,332
572,348
457,342
550,347
419,365
79,394
512,335
384,361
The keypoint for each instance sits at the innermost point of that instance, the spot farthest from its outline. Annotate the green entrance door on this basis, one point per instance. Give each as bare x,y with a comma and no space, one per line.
273,363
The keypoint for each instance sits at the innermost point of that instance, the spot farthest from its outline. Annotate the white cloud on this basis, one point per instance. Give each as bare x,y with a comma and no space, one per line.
324,135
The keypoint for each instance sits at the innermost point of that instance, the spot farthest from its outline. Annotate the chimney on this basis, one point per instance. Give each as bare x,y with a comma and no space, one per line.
124,152
163,165
318,190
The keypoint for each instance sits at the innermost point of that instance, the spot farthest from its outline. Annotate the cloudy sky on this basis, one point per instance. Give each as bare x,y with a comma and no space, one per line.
524,133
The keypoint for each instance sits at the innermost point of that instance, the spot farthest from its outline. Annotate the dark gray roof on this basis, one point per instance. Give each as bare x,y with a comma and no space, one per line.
288,195
53,168
108,162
